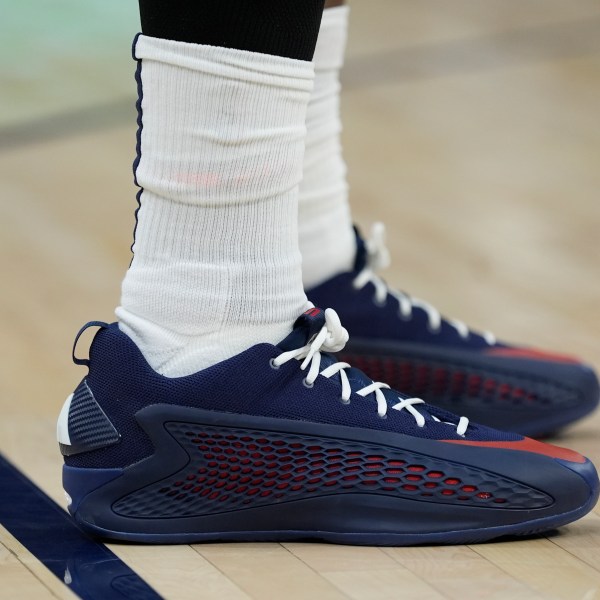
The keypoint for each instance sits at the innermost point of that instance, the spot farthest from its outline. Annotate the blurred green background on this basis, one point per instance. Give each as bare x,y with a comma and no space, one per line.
41,77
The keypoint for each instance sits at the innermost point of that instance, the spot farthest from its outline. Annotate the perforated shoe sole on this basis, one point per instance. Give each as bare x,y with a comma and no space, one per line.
216,476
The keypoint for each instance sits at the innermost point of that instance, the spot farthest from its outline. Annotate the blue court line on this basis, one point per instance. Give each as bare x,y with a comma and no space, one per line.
86,566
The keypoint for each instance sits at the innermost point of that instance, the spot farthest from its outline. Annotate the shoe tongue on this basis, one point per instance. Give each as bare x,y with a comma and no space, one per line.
307,325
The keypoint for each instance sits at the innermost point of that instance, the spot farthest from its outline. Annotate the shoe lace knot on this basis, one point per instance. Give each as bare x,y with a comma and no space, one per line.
332,337
378,258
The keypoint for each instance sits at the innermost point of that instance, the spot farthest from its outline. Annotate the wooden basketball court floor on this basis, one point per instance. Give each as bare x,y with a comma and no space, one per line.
471,128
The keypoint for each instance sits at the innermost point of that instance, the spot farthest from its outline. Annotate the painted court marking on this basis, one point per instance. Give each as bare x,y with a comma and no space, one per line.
86,566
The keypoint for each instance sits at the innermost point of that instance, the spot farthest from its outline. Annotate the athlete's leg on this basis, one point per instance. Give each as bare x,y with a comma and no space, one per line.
224,86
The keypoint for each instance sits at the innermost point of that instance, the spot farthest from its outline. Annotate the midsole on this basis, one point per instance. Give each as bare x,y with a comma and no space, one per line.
96,492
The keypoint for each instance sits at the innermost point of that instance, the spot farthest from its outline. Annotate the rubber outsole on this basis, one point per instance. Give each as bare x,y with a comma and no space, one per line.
474,536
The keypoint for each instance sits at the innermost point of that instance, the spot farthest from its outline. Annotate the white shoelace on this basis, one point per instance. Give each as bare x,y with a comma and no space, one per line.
378,258
332,338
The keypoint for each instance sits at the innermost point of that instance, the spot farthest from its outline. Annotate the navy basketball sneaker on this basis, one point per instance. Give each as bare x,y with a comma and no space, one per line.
405,342
285,443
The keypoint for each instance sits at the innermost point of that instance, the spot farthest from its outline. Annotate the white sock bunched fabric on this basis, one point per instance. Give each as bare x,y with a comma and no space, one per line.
327,240
216,265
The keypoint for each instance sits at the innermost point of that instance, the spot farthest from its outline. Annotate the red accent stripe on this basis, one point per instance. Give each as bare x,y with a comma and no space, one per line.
532,354
527,445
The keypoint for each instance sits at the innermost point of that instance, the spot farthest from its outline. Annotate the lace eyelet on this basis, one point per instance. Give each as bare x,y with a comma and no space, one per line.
273,365
382,416
378,303
434,330
345,402
306,384
404,317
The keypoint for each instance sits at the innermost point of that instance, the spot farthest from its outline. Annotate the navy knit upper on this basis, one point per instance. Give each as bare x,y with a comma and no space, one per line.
123,383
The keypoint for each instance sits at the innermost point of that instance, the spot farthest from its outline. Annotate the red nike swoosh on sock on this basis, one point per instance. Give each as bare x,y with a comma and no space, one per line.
530,353
527,445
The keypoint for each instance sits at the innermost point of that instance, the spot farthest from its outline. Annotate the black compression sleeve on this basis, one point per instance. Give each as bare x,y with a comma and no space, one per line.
280,27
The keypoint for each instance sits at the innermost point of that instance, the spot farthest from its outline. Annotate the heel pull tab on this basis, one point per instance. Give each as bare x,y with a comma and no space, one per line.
86,361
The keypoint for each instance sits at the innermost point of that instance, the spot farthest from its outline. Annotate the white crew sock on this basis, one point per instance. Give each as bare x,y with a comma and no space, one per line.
327,240
216,265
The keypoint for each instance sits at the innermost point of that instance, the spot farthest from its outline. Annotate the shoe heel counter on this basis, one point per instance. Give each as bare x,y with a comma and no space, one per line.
82,424
79,482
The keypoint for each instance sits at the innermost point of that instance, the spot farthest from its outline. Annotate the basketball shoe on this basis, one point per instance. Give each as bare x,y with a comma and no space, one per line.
405,342
285,443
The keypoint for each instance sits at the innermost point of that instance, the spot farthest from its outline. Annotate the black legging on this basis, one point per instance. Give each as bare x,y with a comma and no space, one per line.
279,27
